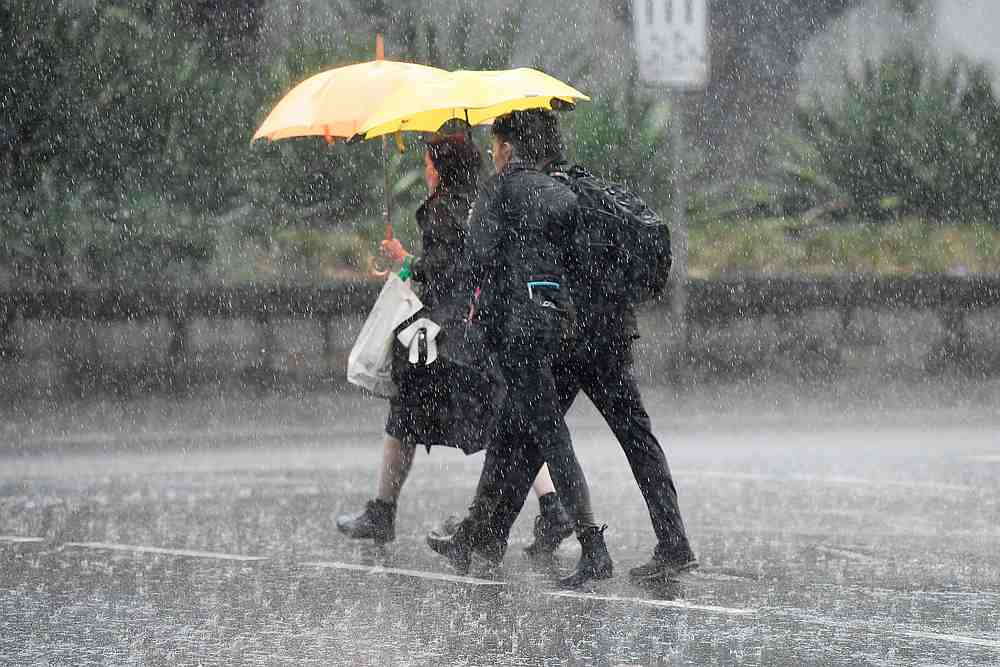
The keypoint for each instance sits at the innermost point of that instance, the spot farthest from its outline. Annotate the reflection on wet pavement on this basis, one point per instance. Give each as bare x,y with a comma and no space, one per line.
844,547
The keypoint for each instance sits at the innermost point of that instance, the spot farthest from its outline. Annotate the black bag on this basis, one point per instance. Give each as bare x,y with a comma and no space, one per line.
621,246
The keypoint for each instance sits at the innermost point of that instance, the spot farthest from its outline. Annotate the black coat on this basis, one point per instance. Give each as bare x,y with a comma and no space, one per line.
518,234
442,219
454,401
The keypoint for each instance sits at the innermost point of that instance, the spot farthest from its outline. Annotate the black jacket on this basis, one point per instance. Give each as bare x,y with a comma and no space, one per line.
518,234
442,219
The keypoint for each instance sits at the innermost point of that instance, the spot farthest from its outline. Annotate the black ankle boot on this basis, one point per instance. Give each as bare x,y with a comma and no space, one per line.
377,522
552,526
595,562
457,547
667,563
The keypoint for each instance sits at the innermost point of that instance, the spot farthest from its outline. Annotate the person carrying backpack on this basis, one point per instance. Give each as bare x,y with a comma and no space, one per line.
515,247
620,257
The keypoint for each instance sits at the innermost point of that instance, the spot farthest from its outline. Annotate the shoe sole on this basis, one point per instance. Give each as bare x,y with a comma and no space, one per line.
569,585
458,566
379,541
538,552
665,573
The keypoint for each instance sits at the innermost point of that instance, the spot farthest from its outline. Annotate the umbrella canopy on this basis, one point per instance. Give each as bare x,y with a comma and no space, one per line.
475,96
338,102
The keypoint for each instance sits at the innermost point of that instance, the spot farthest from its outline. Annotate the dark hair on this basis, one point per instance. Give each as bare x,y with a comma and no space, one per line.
534,133
456,159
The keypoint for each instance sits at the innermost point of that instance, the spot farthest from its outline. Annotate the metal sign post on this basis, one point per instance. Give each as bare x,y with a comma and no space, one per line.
671,38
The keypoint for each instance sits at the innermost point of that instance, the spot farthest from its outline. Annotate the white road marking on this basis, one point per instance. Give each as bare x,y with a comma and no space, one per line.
437,576
849,554
815,479
676,604
419,574
19,539
915,634
168,552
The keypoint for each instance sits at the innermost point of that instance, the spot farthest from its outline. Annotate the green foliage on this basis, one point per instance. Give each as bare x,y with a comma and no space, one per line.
907,137
781,246
623,135
126,142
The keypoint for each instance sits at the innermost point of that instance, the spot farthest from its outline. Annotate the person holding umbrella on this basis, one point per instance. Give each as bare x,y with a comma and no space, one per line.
451,170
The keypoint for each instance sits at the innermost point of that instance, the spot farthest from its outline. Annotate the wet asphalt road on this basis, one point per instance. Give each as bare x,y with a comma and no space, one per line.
200,531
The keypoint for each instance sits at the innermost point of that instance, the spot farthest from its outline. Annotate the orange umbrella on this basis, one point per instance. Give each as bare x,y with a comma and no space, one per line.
338,102
335,104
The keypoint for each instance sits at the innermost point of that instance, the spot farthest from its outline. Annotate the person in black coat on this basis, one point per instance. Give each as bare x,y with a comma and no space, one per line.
599,362
451,169
519,230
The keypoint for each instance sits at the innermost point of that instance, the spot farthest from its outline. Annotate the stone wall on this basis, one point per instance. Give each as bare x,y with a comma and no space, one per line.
791,330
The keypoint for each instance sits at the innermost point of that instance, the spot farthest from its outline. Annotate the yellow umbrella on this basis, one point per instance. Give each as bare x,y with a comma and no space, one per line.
338,102
474,96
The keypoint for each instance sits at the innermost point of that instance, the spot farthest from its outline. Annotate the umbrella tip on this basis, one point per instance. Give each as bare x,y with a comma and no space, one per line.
379,47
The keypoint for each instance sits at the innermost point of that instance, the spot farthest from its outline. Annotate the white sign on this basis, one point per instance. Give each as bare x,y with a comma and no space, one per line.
672,41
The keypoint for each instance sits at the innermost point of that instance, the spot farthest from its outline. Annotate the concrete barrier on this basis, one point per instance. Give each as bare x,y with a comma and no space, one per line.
172,338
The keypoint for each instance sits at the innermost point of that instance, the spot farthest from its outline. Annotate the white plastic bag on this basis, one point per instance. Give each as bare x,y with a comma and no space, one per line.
370,363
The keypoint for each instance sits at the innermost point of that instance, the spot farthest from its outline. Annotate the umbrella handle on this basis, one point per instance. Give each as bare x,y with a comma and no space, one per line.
374,271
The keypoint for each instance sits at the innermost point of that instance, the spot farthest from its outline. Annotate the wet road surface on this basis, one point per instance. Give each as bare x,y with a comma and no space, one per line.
201,532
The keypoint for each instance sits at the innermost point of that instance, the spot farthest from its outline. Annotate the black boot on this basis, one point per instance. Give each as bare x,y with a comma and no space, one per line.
447,527
489,547
666,564
552,526
456,547
595,562
377,522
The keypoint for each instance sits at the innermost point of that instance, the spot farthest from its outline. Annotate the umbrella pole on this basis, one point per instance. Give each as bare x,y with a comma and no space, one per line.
387,192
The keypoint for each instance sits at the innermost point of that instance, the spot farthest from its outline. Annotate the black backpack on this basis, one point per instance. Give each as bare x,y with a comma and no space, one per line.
621,247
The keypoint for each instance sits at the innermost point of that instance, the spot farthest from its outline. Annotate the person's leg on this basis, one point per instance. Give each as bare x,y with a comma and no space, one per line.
545,429
543,486
504,483
538,417
397,459
610,384
535,432
553,524
378,520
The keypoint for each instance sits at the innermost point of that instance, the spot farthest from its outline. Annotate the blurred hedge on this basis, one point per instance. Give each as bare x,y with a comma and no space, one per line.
909,137
126,142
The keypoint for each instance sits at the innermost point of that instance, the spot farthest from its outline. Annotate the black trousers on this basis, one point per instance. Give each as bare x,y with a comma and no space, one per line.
532,432
601,365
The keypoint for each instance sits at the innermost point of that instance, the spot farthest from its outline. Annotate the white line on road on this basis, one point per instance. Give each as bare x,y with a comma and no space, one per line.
915,634
419,574
983,459
814,479
849,554
19,539
158,550
676,604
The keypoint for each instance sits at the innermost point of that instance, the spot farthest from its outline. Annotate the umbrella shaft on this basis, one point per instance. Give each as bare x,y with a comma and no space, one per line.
387,193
